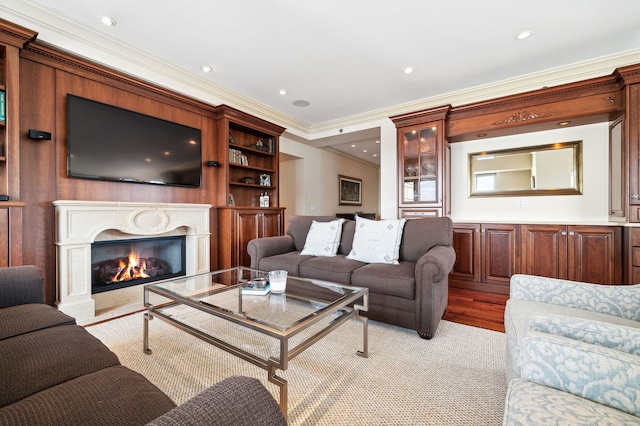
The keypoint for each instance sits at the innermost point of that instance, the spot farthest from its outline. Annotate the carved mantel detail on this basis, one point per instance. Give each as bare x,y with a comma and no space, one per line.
521,116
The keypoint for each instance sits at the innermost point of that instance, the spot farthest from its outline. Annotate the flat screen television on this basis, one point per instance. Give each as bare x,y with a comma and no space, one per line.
109,143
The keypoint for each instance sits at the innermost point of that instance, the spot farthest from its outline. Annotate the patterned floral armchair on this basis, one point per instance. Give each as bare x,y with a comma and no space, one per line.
573,352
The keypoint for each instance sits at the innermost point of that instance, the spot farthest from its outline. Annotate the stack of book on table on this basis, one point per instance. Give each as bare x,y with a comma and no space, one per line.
258,287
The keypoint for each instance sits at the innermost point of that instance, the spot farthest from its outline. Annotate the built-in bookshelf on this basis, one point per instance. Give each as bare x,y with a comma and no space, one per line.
251,170
249,158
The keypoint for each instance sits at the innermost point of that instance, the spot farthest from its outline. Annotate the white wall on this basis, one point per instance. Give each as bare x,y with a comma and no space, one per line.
309,182
591,206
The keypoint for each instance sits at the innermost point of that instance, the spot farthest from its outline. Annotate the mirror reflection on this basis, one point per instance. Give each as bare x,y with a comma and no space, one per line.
554,169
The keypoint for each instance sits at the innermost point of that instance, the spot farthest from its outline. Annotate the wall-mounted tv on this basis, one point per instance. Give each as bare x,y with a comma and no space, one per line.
109,143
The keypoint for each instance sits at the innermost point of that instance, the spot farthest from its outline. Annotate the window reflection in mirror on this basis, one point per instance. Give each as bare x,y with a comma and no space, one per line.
554,169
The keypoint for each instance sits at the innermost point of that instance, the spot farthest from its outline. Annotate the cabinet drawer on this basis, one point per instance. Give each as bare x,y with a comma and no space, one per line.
634,236
417,214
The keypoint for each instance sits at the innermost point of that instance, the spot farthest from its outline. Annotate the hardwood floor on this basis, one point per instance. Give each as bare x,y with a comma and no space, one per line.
476,308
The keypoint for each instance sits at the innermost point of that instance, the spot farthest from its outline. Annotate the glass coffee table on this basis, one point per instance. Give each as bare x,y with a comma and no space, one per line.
265,330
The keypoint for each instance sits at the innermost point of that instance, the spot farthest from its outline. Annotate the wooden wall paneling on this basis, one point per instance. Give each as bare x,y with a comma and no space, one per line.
48,55
83,189
38,170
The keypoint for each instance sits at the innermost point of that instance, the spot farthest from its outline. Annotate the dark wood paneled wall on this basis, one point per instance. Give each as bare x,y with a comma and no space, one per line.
46,77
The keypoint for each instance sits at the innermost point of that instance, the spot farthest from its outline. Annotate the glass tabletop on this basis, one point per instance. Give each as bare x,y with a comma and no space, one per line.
220,292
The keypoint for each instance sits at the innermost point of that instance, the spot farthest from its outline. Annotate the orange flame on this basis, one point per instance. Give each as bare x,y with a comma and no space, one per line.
132,270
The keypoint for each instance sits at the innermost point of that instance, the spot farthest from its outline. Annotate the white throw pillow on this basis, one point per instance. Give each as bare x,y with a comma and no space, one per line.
323,238
377,241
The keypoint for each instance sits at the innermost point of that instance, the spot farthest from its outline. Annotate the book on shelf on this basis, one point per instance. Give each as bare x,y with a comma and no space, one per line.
256,287
3,102
235,156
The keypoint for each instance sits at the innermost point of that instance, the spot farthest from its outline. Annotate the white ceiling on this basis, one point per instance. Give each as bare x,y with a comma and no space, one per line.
344,57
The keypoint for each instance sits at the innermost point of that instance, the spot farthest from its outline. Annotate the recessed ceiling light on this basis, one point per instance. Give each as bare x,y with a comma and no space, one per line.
377,141
301,103
206,68
353,146
283,92
481,135
375,155
564,123
364,150
408,70
108,21
524,34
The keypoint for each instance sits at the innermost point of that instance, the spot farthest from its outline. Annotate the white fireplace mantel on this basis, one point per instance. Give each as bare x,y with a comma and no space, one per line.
80,223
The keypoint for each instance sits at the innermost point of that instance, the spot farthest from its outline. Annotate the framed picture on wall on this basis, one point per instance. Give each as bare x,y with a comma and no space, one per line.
349,191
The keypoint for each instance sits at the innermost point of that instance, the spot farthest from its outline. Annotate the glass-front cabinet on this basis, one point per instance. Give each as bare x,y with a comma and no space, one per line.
422,164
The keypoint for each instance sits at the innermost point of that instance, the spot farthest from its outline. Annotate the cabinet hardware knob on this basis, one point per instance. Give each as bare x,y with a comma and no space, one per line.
635,196
572,233
563,233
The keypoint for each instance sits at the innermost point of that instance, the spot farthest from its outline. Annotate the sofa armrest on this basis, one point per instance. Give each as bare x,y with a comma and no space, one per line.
20,285
260,248
237,400
620,300
443,257
614,336
603,375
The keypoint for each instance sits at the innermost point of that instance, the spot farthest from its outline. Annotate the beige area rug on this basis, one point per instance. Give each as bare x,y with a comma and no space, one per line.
457,378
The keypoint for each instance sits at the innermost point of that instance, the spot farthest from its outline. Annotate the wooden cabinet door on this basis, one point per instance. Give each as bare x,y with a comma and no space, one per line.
500,252
248,227
544,250
4,238
271,223
466,243
252,224
595,254
631,129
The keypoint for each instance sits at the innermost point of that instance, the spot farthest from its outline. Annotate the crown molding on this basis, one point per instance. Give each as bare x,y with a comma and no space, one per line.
598,67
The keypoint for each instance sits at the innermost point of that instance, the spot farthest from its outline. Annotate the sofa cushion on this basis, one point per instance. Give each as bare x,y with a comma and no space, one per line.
35,361
323,238
377,241
20,285
529,403
22,319
289,262
111,396
393,280
419,235
346,241
337,269
298,228
245,400
518,313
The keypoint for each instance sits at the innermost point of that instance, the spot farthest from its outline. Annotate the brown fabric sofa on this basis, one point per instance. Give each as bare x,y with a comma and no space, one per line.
53,372
412,294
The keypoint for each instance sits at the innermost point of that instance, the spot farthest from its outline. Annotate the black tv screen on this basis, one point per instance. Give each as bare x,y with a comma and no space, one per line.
109,143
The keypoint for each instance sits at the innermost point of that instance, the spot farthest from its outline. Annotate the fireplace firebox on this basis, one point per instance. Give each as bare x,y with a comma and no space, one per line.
124,263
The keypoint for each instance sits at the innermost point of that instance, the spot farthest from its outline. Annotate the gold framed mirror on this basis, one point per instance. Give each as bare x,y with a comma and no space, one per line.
553,169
